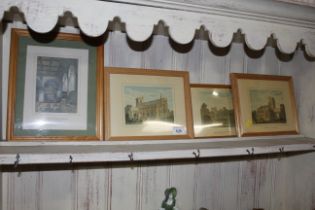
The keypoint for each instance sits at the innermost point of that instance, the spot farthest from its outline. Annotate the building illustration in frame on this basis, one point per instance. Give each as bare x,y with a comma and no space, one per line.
272,110
150,103
221,115
56,85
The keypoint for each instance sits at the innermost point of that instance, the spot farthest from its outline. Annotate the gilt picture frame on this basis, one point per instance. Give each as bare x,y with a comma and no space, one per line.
213,112
264,104
55,88
146,104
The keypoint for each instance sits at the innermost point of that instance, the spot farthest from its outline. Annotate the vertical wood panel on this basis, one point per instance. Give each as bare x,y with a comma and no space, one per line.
208,186
1,190
125,187
254,63
311,157
279,185
22,191
121,52
4,191
55,189
213,69
292,66
306,103
92,188
300,182
271,64
188,57
229,175
262,62
237,55
183,178
303,72
159,54
1,72
155,181
247,180
264,183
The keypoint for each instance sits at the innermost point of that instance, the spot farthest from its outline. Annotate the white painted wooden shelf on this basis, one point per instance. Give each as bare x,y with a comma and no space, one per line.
23,153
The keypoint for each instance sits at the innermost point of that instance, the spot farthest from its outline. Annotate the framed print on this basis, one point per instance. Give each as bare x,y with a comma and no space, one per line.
264,104
55,88
147,104
213,113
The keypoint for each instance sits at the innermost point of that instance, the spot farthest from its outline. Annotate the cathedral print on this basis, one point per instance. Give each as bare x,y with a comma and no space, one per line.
148,103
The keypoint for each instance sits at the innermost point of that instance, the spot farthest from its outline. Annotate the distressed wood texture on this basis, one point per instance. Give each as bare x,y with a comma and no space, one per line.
1,58
270,182
1,190
239,184
258,20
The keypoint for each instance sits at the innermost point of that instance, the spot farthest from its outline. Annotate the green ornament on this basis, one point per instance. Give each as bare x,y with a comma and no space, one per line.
169,202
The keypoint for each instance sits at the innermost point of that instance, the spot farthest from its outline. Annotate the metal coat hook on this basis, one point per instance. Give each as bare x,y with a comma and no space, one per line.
251,152
17,160
130,156
71,159
281,149
248,151
196,154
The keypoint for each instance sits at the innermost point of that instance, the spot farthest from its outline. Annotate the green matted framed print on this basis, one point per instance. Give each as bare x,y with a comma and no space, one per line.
264,104
213,112
55,88
144,104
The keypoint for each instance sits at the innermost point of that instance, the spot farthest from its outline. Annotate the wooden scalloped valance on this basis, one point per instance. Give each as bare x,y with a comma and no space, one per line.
289,24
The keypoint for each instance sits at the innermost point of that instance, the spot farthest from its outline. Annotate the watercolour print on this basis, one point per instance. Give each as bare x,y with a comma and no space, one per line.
148,103
213,111
264,104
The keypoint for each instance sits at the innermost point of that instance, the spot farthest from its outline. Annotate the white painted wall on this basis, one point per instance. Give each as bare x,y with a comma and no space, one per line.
1,57
269,182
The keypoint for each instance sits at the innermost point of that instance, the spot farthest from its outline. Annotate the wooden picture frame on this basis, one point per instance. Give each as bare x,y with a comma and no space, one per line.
55,88
264,104
147,104
213,112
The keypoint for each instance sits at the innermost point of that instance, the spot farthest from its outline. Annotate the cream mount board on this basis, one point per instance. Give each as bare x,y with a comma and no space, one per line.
289,24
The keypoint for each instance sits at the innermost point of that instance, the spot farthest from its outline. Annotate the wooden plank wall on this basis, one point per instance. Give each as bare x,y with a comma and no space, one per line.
272,182
1,57
276,183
